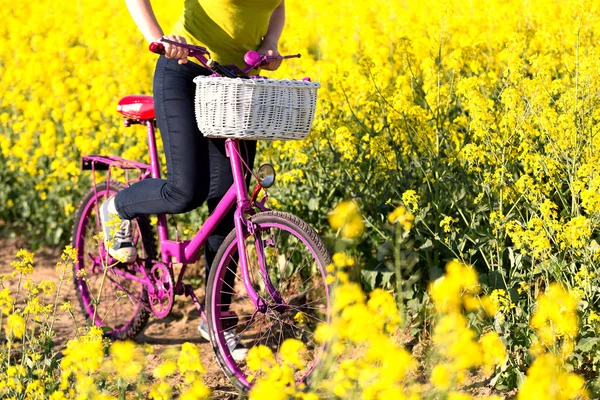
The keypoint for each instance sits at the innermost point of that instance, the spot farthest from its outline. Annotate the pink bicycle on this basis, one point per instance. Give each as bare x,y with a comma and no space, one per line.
268,279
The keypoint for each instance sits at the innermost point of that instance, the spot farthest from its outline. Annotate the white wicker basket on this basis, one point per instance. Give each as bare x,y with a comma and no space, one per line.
255,108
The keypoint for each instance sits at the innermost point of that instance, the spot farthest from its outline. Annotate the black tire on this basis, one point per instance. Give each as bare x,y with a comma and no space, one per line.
300,228
87,248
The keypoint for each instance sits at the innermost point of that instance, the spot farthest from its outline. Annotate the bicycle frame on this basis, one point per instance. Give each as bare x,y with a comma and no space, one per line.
187,251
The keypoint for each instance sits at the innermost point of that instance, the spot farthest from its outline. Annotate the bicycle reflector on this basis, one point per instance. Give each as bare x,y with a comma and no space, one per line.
266,175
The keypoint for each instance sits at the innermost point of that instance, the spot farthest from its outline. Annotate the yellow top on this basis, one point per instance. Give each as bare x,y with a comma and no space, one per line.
227,28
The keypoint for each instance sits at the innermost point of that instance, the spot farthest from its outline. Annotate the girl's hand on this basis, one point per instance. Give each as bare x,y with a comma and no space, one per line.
269,49
172,51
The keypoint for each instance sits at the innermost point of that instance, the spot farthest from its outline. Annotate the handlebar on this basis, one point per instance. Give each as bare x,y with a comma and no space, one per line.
159,48
252,58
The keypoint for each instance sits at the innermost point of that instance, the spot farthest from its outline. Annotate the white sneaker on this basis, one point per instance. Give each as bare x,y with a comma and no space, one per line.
118,236
238,352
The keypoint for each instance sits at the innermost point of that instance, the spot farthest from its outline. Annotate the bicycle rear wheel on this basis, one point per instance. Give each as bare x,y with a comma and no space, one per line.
109,300
294,289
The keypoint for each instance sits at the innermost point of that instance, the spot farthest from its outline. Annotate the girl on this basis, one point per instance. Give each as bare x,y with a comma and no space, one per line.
198,169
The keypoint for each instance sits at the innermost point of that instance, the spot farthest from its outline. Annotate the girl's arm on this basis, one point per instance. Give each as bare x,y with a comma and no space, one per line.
143,16
270,42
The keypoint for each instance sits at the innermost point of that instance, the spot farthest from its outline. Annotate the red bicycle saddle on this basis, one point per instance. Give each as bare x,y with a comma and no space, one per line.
137,107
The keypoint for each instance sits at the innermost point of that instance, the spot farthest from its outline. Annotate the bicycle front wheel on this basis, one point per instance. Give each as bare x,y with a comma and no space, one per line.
287,263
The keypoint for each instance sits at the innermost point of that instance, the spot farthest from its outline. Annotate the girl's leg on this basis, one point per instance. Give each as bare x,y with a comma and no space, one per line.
186,150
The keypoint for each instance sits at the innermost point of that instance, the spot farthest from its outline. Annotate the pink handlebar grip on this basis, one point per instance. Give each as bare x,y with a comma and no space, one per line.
254,59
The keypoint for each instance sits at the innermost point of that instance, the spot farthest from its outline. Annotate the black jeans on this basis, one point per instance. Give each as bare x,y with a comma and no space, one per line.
198,169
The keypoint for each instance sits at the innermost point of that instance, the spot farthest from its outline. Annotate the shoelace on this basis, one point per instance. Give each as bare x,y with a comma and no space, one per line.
124,233
231,339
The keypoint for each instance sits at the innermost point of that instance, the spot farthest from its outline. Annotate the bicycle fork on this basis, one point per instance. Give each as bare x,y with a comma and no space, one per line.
243,225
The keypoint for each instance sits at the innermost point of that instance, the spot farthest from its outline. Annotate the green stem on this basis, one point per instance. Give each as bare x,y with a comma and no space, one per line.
97,299
60,283
122,386
398,265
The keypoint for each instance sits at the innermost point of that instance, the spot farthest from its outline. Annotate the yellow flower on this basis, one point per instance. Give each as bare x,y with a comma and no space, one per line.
324,333
47,287
447,291
402,217
197,391
575,233
346,295
501,301
25,264
161,391
385,311
127,359
259,358
411,199
494,352
300,317
66,306
6,301
189,359
556,315
440,377
346,218
593,317
342,260
548,379
83,355
293,352
69,208
267,390
15,326
69,253
446,223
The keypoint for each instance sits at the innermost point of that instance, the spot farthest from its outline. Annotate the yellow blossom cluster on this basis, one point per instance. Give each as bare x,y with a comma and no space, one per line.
346,218
556,317
548,379
458,345
402,217
556,323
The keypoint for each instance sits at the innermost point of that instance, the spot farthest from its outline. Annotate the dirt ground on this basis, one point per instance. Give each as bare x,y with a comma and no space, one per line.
166,334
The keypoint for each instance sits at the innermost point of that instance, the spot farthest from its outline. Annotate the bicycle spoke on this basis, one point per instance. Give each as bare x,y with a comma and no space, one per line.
311,302
302,329
246,298
265,336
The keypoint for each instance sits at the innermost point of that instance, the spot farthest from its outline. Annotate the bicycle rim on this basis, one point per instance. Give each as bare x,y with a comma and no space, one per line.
293,287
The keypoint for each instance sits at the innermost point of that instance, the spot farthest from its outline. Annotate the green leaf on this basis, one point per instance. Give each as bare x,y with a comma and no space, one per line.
369,278
386,278
313,204
587,344
427,245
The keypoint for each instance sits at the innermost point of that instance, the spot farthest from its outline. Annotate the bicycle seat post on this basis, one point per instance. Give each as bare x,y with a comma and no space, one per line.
152,150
